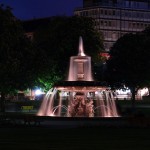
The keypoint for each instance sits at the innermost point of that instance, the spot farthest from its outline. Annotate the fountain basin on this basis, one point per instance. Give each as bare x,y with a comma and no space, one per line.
84,86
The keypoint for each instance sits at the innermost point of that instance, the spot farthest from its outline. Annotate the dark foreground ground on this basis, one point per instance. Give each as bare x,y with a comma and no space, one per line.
31,137
26,132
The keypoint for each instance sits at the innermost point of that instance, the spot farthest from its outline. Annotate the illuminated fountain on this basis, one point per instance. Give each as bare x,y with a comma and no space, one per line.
80,95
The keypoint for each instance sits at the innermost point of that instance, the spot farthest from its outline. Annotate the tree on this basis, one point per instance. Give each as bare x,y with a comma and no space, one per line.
58,40
129,62
16,56
146,38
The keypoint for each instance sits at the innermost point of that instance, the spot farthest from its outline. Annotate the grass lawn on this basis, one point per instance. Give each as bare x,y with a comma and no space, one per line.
85,138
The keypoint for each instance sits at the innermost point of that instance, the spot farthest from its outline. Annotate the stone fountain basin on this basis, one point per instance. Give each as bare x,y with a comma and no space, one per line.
84,86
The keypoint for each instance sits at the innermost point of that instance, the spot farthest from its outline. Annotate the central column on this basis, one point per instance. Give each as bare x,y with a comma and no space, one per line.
80,74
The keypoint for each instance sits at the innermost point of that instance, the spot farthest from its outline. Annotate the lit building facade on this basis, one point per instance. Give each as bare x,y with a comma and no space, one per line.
115,18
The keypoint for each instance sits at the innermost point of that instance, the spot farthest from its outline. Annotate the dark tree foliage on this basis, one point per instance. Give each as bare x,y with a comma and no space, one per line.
15,55
59,39
146,38
129,62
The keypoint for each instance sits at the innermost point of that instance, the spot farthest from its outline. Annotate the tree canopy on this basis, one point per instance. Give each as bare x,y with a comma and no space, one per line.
59,39
129,61
15,54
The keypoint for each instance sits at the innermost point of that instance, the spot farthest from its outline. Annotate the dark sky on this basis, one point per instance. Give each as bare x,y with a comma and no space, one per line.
29,9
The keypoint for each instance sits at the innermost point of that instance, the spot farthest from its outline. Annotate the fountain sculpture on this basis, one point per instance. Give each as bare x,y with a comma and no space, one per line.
80,95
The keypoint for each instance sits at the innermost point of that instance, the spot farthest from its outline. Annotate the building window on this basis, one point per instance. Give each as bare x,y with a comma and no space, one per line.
101,12
109,23
114,13
110,12
105,23
102,23
114,36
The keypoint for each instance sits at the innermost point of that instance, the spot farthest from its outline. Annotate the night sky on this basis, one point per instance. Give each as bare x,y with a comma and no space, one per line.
29,9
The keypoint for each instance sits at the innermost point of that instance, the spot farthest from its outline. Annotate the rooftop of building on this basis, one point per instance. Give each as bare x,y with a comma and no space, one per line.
134,4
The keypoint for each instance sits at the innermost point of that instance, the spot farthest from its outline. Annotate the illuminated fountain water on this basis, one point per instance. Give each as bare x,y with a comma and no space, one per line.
80,95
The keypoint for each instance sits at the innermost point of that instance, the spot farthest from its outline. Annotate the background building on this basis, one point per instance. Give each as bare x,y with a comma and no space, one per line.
115,18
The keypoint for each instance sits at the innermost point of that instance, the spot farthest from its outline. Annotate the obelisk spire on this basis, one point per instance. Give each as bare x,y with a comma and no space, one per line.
81,49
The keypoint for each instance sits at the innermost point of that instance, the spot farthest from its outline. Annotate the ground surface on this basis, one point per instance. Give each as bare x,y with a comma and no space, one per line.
26,137
133,133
